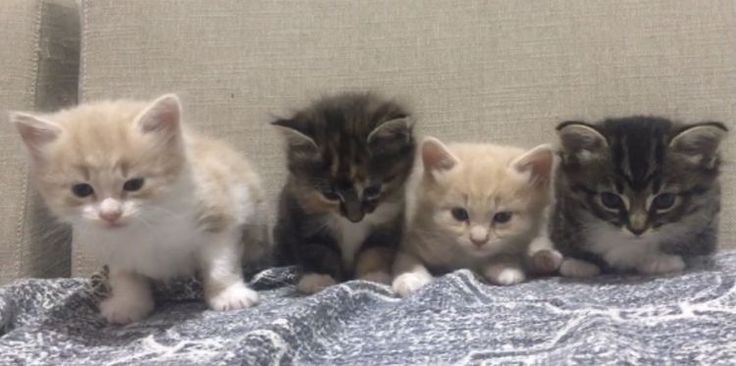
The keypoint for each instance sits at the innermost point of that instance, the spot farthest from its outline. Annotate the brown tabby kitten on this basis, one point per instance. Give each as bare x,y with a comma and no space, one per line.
341,211
636,194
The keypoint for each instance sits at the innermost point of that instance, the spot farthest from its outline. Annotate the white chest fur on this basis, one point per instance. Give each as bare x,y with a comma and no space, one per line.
162,242
166,250
620,249
352,235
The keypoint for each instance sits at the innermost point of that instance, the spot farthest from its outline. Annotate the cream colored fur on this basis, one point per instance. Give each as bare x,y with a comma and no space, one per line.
484,180
199,210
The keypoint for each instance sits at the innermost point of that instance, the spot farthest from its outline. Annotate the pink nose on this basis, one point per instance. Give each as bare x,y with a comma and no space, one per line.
110,216
479,243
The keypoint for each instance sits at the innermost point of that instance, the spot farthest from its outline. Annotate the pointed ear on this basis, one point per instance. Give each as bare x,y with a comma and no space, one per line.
294,137
700,142
537,162
162,116
36,132
581,139
399,127
436,157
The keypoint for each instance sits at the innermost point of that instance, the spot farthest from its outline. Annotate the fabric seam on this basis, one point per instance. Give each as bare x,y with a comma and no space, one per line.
33,93
77,257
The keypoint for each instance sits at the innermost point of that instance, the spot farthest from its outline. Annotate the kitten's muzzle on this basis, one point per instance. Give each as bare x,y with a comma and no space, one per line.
479,235
638,231
110,211
352,207
638,223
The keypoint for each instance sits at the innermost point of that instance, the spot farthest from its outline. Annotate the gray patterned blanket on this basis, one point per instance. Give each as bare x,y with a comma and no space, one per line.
684,319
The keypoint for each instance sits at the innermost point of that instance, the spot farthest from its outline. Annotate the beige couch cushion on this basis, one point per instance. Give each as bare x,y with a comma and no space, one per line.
39,61
503,71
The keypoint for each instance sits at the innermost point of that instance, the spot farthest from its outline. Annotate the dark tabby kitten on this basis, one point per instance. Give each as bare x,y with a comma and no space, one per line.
341,211
636,193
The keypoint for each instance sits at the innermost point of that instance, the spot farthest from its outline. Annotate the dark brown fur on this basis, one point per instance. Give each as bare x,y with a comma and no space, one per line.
635,158
330,154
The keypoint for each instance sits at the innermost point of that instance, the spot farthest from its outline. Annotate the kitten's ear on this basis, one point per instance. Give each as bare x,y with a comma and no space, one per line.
537,162
35,131
436,157
581,139
294,136
395,128
699,142
162,116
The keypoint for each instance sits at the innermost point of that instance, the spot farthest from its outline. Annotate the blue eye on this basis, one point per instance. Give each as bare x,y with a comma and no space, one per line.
502,217
330,195
460,214
133,185
664,201
372,192
612,200
82,190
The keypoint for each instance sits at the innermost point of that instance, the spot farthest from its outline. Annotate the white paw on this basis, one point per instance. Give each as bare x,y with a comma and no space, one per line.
407,283
546,261
504,275
234,297
662,264
312,283
378,277
577,268
126,309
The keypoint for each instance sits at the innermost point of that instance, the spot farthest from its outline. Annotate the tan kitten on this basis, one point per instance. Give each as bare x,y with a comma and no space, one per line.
150,198
475,206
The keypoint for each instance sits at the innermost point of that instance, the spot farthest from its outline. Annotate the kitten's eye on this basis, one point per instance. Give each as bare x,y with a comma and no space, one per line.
502,217
612,200
664,201
372,192
460,214
132,185
330,195
82,190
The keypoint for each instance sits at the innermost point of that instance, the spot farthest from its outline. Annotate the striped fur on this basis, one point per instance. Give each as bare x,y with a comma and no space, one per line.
636,160
341,210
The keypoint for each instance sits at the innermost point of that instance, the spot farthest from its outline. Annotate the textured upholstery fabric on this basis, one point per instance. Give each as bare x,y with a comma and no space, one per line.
686,319
503,71
39,63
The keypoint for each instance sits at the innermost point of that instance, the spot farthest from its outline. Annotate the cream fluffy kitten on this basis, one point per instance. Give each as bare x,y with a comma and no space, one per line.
150,198
476,206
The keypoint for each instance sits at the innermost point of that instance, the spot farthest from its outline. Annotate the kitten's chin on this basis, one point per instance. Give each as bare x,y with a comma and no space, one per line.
114,225
628,235
102,226
483,251
488,249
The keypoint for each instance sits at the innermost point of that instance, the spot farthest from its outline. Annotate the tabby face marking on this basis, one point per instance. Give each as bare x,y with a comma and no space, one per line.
632,177
632,190
347,157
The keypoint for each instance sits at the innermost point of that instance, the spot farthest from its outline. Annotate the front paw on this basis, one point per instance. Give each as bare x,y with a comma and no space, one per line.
312,283
504,275
126,309
546,261
378,277
407,283
662,264
234,297
577,268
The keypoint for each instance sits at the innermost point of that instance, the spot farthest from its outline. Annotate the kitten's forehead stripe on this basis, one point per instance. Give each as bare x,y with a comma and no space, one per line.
624,159
340,127
638,149
638,162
